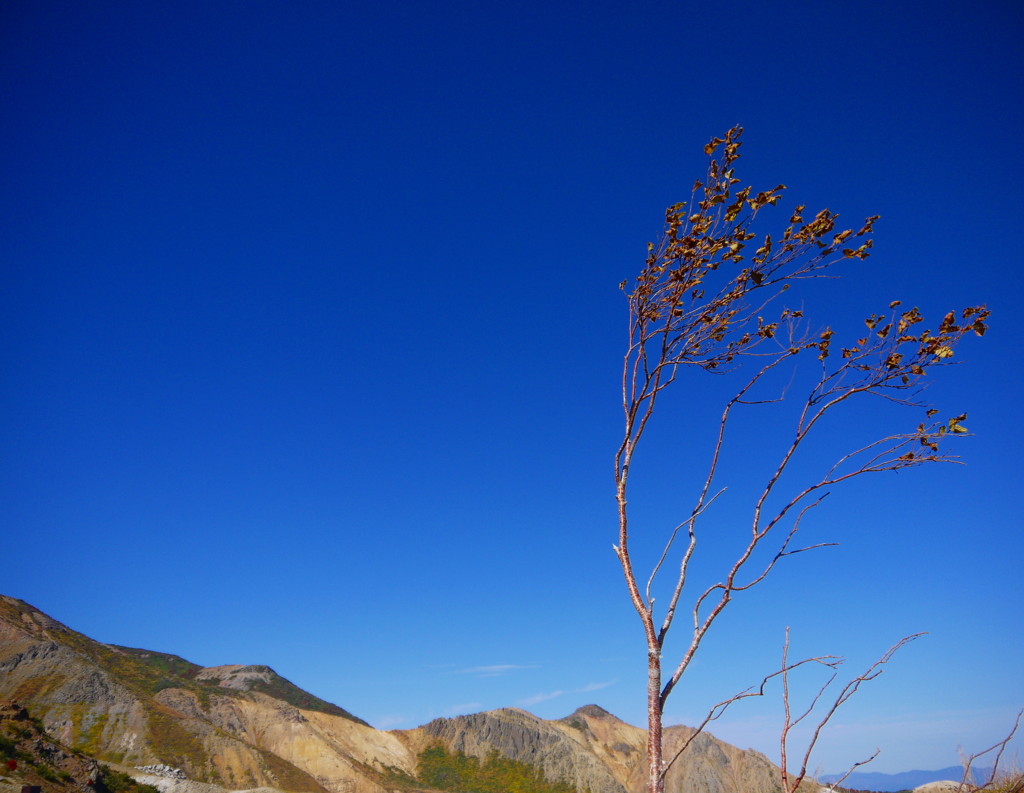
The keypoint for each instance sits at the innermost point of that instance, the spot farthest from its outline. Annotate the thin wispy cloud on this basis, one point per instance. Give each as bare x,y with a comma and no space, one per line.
494,669
538,698
594,687
545,696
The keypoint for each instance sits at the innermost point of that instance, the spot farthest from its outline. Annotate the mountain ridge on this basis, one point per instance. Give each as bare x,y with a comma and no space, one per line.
245,726
904,780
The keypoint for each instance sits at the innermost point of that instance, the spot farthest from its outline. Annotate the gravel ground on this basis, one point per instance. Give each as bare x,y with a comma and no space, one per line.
165,785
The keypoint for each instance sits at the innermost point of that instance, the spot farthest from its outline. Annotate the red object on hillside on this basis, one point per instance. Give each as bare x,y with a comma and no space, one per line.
12,764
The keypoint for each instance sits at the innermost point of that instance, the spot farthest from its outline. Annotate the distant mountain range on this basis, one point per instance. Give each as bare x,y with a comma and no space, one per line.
244,727
905,780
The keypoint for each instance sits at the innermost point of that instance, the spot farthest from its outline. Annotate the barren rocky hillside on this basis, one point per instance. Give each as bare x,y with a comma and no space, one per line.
592,749
240,727
247,727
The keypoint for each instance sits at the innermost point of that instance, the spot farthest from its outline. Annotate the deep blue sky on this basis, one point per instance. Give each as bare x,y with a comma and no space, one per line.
311,337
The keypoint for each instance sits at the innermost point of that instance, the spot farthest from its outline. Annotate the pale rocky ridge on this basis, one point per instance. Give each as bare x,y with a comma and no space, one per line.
229,726
593,749
521,736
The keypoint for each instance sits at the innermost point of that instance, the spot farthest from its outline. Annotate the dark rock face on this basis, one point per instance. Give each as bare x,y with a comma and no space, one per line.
57,684
46,765
92,686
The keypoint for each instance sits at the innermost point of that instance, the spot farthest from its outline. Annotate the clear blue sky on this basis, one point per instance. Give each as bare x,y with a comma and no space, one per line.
311,337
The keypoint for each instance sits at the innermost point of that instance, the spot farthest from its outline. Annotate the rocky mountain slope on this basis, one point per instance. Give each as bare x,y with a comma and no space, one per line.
247,727
29,756
593,750
241,727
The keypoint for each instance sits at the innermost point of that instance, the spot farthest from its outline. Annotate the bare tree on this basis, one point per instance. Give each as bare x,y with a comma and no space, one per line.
1005,782
700,303
790,781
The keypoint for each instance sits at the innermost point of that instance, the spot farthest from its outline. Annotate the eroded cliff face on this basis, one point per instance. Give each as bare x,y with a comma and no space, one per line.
593,749
525,738
33,757
336,752
79,703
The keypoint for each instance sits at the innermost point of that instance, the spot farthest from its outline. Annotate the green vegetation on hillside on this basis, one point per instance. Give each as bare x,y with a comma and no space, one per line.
173,743
169,666
461,773
287,691
143,672
9,750
288,776
89,734
110,781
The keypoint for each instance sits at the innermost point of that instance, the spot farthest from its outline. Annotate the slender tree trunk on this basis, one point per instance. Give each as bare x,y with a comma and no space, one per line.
655,782
686,314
